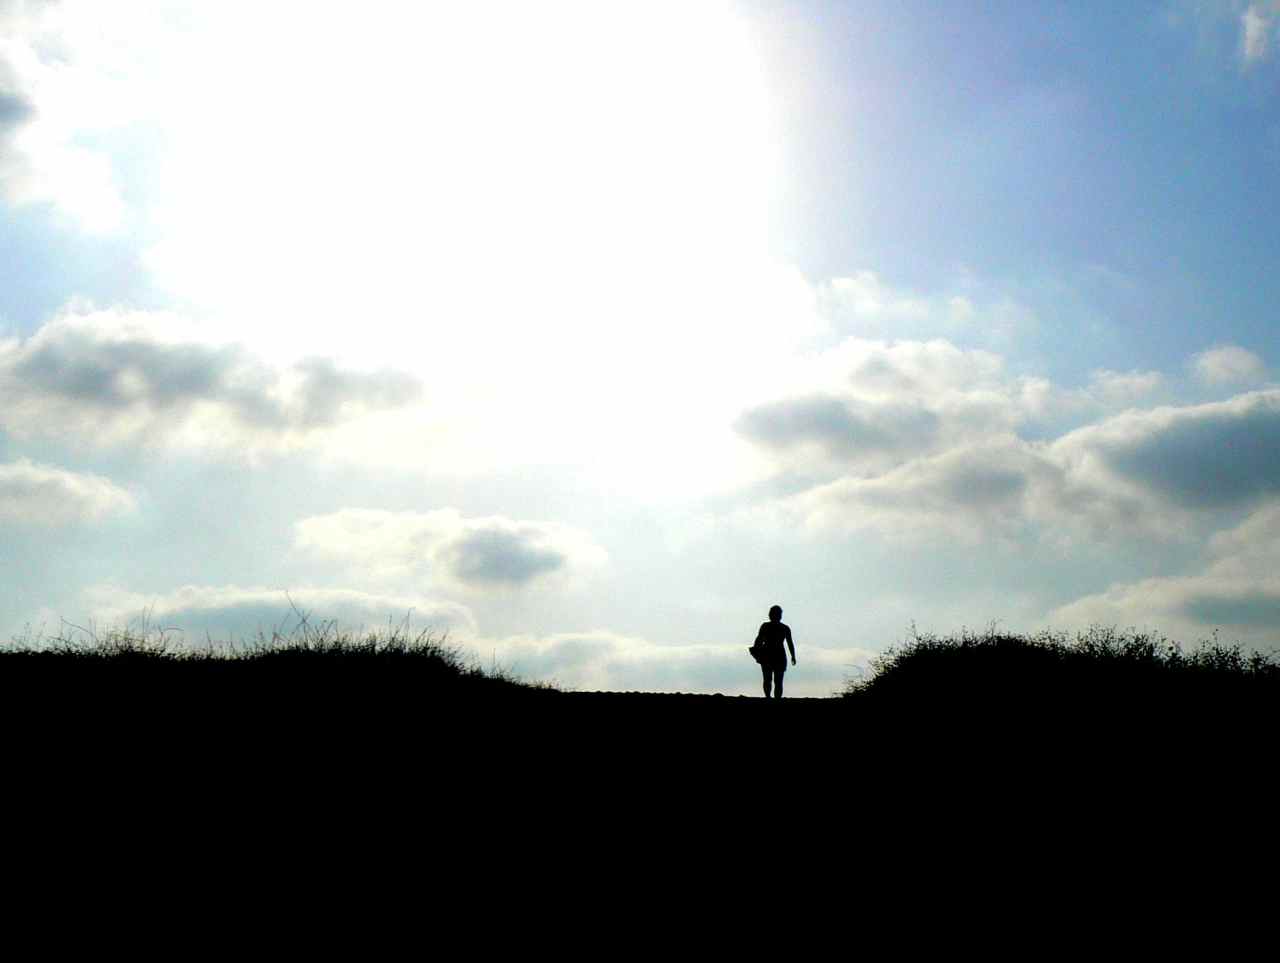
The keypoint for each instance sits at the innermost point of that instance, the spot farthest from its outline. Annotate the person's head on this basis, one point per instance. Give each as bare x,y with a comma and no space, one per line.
775,614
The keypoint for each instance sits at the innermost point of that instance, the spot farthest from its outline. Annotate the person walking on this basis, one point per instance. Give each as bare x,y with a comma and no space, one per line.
773,658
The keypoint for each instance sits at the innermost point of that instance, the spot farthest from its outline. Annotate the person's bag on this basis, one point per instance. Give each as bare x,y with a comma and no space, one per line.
757,653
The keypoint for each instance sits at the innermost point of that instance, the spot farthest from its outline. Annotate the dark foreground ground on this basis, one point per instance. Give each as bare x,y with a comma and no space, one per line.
439,794
345,719
385,782
1021,725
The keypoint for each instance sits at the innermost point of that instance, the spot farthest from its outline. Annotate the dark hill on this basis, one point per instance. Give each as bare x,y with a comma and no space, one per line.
935,703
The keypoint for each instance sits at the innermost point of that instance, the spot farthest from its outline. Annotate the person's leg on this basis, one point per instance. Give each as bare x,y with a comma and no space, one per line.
777,682
765,669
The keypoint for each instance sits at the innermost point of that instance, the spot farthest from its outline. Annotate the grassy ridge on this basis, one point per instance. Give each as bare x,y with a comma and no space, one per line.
307,652
972,671
341,712
1102,669
315,674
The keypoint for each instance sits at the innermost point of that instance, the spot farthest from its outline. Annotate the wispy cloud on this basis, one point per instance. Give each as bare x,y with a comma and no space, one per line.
864,304
1256,26
1123,388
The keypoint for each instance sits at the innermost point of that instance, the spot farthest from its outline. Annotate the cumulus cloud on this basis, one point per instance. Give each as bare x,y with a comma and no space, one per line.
234,613
612,662
970,488
39,495
844,429
1207,456
478,554
1157,473
115,376
1228,364
876,405
925,437
997,489
882,403
934,367
1238,592
1250,547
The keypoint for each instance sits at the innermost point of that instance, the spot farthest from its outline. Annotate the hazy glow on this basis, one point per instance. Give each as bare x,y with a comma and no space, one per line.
556,211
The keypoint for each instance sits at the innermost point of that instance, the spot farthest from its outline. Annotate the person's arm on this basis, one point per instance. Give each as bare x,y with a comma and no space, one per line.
791,645
760,634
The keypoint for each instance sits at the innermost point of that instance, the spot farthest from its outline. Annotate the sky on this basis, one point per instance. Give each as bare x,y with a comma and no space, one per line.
583,333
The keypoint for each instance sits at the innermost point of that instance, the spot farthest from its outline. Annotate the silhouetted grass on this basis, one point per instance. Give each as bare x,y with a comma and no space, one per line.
1103,670
319,675
315,669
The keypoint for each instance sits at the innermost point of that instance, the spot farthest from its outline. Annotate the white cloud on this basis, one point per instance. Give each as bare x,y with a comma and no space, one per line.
58,83
1229,364
236,613
977,491
16,109
871,405
1124,388
829,428
934,367
1198,457
1162,474
117,376
864,304
866,300
474,554
1255,28
998,489
1251,547
1238,592
39,495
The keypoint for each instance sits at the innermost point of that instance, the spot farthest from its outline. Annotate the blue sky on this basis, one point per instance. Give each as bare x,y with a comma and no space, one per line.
586,332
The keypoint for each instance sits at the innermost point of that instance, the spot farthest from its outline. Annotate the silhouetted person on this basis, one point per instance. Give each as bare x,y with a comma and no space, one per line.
773,663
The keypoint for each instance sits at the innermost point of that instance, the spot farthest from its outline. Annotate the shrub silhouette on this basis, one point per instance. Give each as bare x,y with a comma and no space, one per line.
1101,670
315,670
